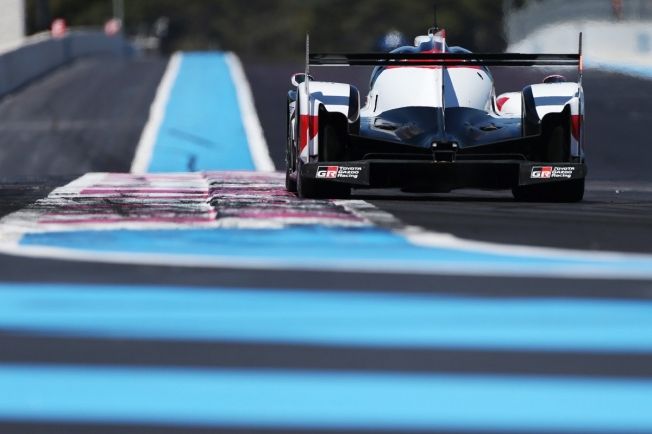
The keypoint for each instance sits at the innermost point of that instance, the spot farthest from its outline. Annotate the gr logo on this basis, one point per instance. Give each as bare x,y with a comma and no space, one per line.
327,171
541,172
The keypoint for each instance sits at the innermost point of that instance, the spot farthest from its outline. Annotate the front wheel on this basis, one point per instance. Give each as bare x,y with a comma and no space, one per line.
565,191
290,184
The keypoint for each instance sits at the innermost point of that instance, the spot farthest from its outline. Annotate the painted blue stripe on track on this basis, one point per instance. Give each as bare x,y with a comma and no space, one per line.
320,245
314,317
202,127
266,398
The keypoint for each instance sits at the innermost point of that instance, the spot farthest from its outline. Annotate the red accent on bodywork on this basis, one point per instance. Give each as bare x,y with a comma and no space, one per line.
307,123
576,125
501,101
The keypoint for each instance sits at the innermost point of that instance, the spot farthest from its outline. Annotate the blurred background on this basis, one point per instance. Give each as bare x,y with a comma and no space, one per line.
276,30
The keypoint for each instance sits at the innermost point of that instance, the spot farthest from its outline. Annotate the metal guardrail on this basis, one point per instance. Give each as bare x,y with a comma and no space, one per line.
524,20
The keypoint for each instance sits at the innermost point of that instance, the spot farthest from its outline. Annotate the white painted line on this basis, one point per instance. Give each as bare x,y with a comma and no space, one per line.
255,137
145,148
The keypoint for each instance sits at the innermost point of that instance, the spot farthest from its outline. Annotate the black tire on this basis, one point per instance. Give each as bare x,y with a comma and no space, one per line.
563,191
557,144
290,184
332,146
555,138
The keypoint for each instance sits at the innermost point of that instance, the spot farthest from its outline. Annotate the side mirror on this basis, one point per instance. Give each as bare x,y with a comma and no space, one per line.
299,78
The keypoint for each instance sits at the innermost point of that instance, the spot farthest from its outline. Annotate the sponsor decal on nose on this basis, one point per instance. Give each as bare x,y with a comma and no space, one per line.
327,171
541,172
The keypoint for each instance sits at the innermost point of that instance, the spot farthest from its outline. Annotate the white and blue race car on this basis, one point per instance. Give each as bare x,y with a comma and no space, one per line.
433,123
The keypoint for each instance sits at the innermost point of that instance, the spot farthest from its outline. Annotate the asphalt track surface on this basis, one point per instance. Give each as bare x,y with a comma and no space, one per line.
55,129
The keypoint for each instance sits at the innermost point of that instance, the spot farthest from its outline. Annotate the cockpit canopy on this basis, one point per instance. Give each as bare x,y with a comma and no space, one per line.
398,84
431,43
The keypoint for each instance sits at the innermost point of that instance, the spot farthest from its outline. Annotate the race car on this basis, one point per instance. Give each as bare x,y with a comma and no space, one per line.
432,123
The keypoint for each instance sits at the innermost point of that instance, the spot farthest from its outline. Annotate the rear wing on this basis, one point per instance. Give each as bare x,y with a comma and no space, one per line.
448,59
444,59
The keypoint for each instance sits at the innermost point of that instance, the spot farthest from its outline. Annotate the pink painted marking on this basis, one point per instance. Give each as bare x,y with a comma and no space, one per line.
183,176
201,199
132,213
266,192
129,220
183,199
117,208
151,190
291,214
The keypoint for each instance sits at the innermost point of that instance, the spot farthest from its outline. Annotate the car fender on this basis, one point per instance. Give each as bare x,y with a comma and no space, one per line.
542,99
332,97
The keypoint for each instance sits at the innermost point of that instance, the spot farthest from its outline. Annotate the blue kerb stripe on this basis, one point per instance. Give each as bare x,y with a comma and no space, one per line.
202,128
309,399
319,245
315,317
